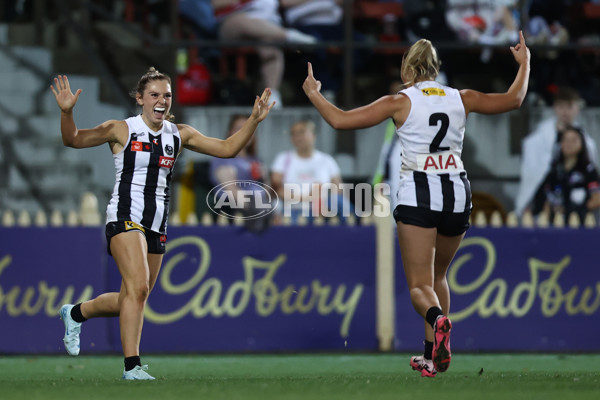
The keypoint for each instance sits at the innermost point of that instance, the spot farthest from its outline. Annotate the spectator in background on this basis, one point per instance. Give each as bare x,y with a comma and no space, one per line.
547,25
201,14
324,20
572,183
309,168
488,22
427,19
244,167
259,20
541,146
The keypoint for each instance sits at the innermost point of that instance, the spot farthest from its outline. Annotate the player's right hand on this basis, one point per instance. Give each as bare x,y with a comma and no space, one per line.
520,51
65,99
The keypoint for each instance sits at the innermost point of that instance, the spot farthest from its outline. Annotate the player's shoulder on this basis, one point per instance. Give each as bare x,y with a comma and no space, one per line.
116,127
186,132
116,123
170,127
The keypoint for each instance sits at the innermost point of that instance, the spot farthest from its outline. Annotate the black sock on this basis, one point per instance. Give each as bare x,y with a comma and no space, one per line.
132,362
76,313
432,314
428,350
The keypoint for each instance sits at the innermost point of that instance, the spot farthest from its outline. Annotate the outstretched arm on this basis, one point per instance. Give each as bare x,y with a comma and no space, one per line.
362,117
496,103
230,147
81,138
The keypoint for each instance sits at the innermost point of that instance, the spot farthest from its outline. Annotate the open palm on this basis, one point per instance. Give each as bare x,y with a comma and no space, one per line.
261,105
65,98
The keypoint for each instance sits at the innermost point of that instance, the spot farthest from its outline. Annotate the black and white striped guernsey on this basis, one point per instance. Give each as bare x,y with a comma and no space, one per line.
143,175
431,138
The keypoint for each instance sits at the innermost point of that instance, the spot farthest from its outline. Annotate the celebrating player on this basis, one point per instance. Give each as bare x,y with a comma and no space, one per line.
145,148
434,195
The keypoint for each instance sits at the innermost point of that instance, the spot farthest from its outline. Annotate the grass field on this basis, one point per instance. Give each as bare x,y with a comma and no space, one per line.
302,376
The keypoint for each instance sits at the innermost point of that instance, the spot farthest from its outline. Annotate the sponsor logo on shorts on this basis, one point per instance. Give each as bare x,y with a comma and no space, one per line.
129,225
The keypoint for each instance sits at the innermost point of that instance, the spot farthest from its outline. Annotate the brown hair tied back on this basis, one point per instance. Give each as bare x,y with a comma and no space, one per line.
420,63
151,75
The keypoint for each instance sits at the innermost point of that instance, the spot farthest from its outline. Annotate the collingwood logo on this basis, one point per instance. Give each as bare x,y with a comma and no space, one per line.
169,150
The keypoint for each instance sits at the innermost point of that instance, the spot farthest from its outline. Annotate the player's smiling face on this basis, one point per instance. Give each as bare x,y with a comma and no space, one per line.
156,102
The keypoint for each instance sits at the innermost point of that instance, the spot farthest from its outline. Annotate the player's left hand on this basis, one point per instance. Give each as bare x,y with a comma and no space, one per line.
310,84
520,51
261,106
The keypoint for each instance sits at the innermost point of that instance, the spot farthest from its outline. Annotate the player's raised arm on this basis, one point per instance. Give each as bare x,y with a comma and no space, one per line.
230,147
81,138
358,118
496,103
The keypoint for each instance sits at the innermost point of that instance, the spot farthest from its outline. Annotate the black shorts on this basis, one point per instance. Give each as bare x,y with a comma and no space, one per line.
447,223
156,242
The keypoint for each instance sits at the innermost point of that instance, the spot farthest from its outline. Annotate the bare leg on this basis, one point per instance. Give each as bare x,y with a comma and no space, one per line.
239,26
154,263
272,66
417,248
129,250
107,304
445,249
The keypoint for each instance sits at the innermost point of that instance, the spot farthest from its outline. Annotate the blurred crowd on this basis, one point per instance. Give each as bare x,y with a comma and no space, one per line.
289,29
487,25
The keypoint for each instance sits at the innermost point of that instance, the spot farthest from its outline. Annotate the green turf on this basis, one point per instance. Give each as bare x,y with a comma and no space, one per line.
302,376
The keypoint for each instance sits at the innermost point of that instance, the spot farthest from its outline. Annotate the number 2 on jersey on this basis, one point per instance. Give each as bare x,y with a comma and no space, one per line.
434,147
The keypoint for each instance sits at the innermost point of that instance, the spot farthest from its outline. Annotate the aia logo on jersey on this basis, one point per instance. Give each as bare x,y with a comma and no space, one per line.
141,146
166,162
442,161
433,162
